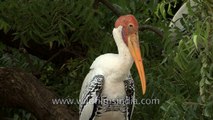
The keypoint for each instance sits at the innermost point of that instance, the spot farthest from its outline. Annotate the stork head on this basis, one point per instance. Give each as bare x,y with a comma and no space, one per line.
130,37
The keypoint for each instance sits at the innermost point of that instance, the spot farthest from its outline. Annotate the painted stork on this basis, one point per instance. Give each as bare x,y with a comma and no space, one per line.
107,92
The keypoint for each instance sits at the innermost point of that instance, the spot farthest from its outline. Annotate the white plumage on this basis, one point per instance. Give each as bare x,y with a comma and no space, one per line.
115,68
108,90
175,22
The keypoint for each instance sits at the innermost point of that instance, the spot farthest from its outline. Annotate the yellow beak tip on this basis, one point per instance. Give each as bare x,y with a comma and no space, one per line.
143,91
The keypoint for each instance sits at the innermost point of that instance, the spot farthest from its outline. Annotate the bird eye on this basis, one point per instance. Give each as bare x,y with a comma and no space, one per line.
130,25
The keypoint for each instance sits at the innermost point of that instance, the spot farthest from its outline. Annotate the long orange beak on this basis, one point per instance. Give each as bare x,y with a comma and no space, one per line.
134,48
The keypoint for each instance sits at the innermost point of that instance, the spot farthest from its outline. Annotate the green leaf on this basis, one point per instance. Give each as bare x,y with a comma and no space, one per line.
195,40
162,10
169,10
61,28
206,36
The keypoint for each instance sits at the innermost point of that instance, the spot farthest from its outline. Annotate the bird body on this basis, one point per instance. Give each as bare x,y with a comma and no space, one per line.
183,10
108,89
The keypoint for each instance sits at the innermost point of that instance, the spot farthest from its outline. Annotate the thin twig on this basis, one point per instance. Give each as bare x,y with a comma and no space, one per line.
151,28
112,8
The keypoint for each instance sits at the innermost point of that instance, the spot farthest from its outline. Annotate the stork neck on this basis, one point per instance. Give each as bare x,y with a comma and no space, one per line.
123,50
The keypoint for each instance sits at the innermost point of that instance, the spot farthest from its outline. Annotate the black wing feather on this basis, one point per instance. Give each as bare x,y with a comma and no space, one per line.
93,90
130,91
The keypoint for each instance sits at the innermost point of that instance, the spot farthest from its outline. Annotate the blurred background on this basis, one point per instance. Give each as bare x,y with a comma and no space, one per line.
57,41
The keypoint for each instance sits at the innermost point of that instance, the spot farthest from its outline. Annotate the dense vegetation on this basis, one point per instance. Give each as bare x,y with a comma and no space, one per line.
58,40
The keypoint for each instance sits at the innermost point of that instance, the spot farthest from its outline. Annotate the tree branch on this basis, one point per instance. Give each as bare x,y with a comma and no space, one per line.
151,28
20,89
119,13
112,8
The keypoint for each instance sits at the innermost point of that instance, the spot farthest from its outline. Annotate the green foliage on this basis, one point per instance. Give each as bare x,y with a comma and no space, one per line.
162,10
179,70
47,21
189,60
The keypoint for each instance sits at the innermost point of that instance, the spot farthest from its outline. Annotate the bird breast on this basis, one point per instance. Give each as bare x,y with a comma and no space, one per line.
114,66
115,70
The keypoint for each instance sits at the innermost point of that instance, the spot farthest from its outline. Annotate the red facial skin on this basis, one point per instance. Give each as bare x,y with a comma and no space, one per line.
130,25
